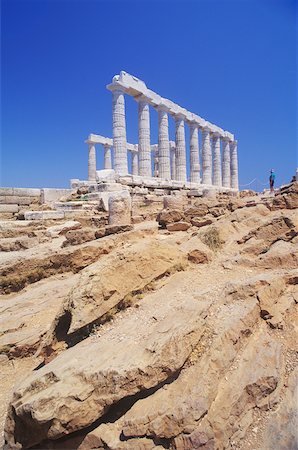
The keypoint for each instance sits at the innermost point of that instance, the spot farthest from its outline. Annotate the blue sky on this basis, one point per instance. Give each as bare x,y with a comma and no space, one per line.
233,62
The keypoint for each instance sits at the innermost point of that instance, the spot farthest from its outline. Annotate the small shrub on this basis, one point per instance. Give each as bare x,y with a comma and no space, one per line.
212,239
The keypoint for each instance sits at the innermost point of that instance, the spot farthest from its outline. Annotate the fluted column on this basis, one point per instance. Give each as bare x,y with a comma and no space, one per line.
164,168
234,165
135,162
216,176
119,133
173,162
144,138
206,157
180,149
194,154
155,161
107,157
226,168
91,162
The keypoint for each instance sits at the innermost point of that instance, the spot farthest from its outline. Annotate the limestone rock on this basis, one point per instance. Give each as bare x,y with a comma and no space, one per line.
104,284
178,226
199,210
15,244
198,222
173,202
81,384
120,208
281,431
114,229
26,316
167,216
57,230
76,237
198,257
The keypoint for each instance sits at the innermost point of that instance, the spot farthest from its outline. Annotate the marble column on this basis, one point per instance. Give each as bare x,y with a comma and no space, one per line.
107,157
119,133
206,157
155,162
144,138
135,162
164,167
173,162
194,154
216,173
91,162
180,149
234,165
226,169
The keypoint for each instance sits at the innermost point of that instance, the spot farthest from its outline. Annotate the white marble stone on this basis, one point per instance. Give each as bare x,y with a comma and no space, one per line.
226,168
91,162
216,173
135,161
135,87
206,157
180,149
106,175
107,157
119,133
173,160
164,168
144,138
194,154
234,165
50,195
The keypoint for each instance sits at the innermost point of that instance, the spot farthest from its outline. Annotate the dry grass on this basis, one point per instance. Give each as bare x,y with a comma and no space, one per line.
212,239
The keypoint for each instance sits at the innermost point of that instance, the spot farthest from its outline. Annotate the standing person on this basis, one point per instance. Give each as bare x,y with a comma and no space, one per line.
271,180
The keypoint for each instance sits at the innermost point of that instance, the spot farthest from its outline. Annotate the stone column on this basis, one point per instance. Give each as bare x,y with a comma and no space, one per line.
155,161
180,149
234,165
216,178
173,162
144,138
135,162
164,170
107,157
194,154
91,162
206,157
226,169
119,133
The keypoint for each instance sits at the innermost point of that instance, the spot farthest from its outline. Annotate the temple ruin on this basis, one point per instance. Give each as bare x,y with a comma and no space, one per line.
213,166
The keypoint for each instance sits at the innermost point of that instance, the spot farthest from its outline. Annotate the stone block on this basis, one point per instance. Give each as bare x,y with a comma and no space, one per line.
178,226
5,191
120,208
11,208
195,193
43,215
26,192
106,175
48,195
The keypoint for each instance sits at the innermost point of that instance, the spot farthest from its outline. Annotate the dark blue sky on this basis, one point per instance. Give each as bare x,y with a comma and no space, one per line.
233,62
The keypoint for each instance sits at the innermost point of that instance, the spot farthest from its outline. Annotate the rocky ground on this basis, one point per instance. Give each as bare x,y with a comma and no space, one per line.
176,332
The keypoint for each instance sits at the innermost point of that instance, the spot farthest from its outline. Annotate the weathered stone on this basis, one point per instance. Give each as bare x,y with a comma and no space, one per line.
173,202
178,226
198,257
120,208
104,284
42,215
89,382
57,230
114,229
167,216
11,208
199,210
198,222
76,237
